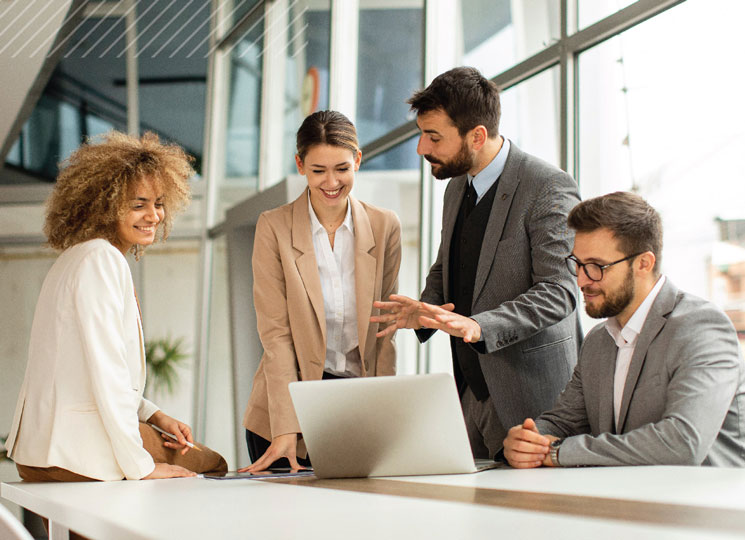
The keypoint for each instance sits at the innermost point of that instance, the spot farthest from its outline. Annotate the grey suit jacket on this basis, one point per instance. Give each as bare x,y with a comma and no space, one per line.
684,399
524,297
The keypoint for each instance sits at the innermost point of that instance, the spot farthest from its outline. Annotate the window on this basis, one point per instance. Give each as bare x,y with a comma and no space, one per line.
498,34
530,115
666,119
389,71
307,70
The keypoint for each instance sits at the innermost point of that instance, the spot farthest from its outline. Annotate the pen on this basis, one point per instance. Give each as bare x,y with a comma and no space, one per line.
172,436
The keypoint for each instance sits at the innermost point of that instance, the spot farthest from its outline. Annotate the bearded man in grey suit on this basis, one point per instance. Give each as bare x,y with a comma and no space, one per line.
661,382
499,286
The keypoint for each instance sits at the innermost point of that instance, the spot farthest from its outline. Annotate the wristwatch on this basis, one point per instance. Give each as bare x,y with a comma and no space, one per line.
553,452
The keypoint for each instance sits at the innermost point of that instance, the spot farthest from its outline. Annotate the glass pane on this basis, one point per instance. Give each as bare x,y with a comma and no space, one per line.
220,425
307,75
239,8
591,11
516,30
389,71
97,126
172,68
243,120
50,134
530,115
675,136
381,184
14,156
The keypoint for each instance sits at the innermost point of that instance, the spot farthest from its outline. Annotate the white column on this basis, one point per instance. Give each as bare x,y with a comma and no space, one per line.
213,172
345,19
274,61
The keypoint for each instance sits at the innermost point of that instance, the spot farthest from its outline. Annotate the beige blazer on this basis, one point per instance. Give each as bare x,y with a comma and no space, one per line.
289,305
81,400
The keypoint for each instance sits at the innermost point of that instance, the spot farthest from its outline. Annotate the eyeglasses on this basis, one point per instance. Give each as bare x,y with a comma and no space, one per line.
592,270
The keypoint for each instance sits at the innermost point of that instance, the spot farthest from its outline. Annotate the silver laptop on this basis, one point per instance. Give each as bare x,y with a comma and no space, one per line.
384,426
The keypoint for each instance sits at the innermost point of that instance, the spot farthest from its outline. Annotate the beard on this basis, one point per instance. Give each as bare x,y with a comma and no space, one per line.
616,301
458,166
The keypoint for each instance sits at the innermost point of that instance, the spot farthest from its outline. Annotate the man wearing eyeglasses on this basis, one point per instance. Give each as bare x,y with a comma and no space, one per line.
661,381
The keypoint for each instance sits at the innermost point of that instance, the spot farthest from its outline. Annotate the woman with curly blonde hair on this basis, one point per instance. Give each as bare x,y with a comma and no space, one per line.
81,414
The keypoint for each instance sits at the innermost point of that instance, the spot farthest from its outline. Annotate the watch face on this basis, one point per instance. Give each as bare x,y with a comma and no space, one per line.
556,443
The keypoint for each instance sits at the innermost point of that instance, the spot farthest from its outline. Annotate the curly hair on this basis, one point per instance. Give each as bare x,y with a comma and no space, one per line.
96,181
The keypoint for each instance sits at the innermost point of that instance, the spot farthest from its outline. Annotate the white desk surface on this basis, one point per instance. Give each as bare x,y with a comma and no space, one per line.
554,503
696,486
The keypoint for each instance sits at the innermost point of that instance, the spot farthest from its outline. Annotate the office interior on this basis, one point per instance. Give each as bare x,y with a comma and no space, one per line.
643,96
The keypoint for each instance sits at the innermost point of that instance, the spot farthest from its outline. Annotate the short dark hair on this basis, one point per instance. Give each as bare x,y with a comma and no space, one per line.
631,219
326,127
466,96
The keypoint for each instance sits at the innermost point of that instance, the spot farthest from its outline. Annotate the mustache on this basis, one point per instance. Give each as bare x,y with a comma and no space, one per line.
589,290
432,160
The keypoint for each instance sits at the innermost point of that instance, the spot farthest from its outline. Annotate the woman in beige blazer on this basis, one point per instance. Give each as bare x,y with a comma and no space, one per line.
319,263
81,411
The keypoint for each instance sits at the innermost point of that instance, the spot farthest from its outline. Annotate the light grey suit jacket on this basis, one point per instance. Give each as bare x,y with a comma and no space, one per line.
524,297
684,399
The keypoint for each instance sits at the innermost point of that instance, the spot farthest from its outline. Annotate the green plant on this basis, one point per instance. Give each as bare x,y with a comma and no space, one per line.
163,356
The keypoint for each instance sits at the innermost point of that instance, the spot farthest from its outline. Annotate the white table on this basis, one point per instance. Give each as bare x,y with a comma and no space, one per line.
607,503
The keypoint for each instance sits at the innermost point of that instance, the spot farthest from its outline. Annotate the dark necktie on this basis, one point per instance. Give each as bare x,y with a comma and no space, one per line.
471,197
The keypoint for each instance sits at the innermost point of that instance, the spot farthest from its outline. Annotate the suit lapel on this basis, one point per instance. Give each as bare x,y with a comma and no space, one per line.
508,182
450,210
656,319
364,272
606,365
306,263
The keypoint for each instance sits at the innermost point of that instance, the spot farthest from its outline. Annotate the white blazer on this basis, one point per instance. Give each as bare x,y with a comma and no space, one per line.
81,400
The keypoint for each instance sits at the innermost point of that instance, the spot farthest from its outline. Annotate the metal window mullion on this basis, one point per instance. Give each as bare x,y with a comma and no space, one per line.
133,103
213,173
567,91
617,23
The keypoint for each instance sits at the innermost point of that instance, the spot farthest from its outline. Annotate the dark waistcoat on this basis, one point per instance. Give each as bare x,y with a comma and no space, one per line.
465,247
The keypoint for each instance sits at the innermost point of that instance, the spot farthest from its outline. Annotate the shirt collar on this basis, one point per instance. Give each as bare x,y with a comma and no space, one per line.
489,174
315,224
630,332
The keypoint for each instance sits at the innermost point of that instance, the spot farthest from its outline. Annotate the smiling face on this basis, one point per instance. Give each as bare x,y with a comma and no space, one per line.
615,294
441,145
143,214
330,174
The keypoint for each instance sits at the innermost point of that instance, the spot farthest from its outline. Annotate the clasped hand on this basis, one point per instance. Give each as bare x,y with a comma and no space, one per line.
404,312
526,448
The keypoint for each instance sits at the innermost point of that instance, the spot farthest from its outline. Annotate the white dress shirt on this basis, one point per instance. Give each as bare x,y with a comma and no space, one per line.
485,179
336,269
625,339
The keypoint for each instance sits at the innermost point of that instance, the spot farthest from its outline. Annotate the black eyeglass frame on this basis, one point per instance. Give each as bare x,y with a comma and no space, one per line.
601,267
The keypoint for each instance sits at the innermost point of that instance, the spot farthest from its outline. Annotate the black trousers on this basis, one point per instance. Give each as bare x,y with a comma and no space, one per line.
258,445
